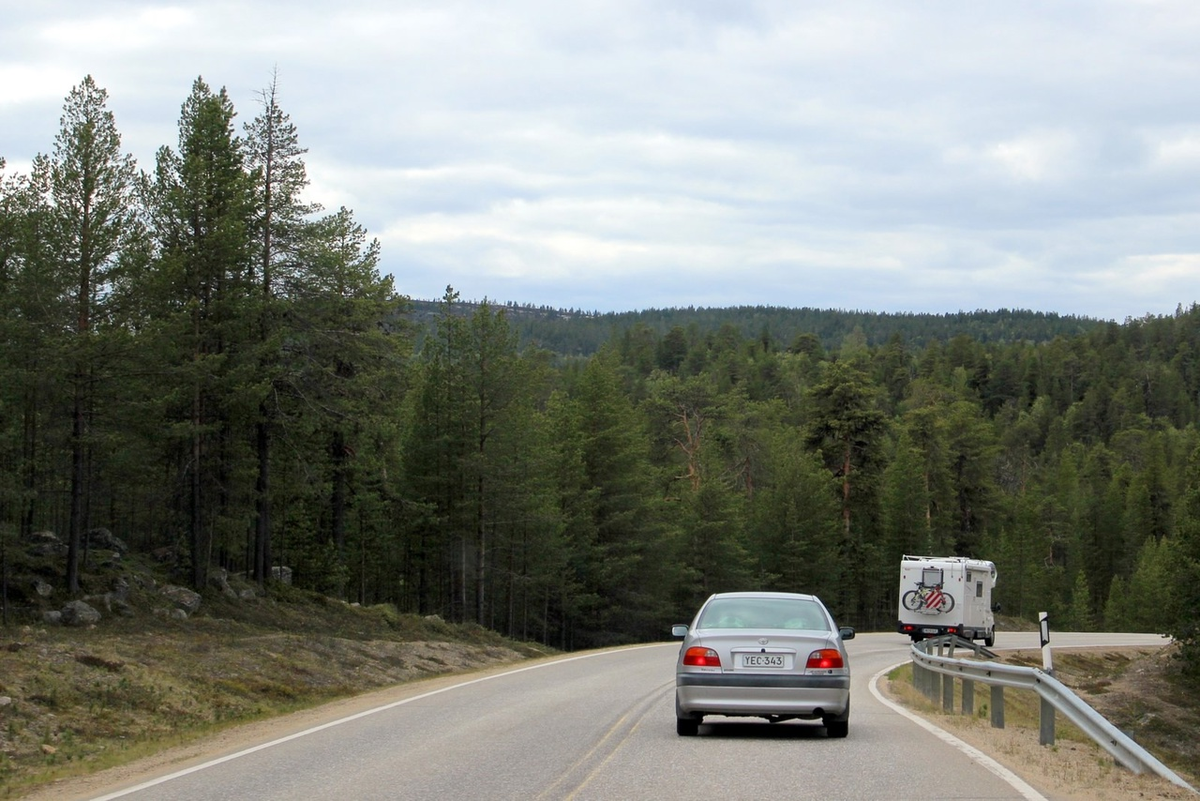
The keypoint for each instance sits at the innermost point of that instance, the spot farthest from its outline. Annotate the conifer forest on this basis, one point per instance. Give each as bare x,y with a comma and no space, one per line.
202,361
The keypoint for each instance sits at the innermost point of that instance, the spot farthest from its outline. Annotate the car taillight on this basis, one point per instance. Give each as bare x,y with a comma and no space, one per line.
825,659
701,657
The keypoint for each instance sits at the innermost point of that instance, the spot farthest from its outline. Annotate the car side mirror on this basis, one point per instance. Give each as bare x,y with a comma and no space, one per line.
846,633
679,630
995,607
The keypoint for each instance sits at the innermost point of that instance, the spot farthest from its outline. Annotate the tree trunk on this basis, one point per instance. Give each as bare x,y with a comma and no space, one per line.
480,556
846,467
75,523
338,503
262,525
198,544
338,499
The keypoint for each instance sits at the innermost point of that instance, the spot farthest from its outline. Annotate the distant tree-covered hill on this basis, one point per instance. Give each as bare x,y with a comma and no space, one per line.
581,333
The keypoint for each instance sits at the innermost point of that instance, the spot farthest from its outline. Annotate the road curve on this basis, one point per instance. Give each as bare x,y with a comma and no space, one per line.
600,725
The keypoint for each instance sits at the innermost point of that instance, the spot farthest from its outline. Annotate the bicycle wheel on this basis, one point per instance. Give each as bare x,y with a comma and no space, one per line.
947,603
913,600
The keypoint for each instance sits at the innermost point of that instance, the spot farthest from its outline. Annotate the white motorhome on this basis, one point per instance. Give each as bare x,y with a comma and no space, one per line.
947,595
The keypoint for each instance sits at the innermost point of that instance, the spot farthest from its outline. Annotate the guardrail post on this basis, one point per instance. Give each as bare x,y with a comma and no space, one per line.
925,680
997,706
947,693
939,679
1046,727
968,697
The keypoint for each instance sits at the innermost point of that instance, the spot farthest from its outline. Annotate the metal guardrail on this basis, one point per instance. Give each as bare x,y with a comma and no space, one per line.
1054,694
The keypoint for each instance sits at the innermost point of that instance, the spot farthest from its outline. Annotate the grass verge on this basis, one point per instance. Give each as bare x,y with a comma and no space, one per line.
74,701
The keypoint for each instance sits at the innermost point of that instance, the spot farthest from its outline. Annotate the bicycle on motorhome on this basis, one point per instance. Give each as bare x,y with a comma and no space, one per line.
928,597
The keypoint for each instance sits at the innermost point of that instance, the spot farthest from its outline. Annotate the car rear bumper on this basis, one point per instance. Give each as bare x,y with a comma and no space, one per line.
760,695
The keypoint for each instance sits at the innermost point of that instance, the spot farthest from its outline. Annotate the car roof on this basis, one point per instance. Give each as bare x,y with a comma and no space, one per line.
764,594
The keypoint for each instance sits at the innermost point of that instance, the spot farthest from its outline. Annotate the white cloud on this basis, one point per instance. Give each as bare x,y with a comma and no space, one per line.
1034,157
626,153
108,32
22,83
1147,275
1176,149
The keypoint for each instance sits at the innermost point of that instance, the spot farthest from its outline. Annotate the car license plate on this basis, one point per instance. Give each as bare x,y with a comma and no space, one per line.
763,661
929,631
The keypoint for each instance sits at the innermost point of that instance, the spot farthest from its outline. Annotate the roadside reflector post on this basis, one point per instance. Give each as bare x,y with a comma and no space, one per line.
1044,626
1046,722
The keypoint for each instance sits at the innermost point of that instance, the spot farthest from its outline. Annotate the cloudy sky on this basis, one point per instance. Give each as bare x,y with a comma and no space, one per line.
889,155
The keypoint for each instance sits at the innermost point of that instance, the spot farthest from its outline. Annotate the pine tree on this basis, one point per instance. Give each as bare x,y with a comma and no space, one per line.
972,452
202,224
629,542
275,158
847,426
1079,613
25,311
92,218
925,429
906,504
795,523
345,359
1183,622
573,597
1153,585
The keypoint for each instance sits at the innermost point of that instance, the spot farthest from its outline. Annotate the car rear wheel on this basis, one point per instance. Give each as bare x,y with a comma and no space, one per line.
686,725
839,726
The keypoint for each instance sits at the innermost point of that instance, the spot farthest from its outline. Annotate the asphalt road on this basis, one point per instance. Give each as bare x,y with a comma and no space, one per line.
601,726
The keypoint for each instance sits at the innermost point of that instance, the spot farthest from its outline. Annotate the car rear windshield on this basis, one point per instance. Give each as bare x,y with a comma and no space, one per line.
763,613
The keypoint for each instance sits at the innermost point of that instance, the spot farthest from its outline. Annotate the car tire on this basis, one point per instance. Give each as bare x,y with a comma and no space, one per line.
686,725
838,727
990,639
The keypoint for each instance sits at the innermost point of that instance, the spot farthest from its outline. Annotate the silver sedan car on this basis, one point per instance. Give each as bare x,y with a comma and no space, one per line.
772,655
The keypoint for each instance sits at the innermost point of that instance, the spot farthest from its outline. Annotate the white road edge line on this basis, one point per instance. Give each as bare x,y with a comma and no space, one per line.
263,746
1017,783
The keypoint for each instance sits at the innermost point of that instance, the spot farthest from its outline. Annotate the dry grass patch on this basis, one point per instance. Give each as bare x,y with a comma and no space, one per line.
85,700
